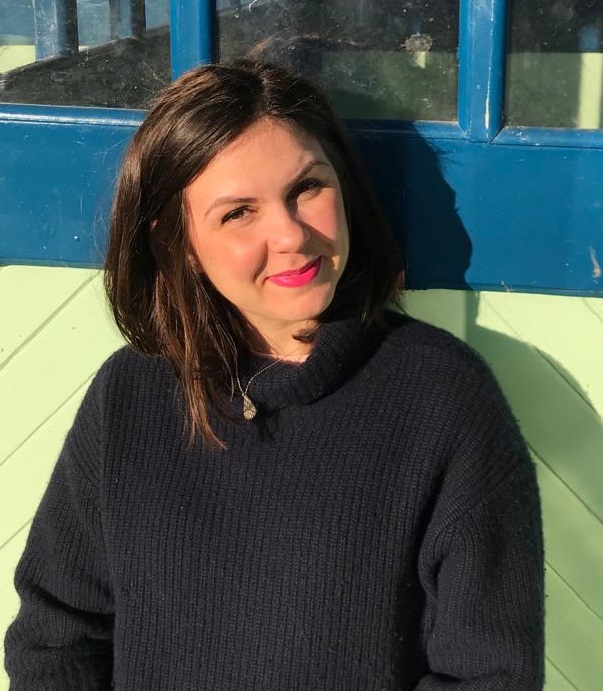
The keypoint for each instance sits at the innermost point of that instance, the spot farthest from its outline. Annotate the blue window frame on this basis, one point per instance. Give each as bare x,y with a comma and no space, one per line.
475,204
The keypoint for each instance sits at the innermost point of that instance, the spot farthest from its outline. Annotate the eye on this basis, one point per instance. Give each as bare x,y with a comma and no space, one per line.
235,214
307,185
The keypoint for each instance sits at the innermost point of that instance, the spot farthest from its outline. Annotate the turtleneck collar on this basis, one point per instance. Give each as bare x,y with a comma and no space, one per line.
340,349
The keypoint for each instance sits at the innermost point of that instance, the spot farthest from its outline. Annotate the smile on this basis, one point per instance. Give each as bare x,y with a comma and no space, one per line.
297,277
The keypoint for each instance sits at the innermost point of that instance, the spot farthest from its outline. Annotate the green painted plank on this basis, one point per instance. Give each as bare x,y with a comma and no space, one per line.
554,680
447,309
564,329
29,296
50,367
596,305
573,539
24,476
574,636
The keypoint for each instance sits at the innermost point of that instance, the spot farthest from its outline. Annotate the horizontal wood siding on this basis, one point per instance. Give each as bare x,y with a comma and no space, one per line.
546,352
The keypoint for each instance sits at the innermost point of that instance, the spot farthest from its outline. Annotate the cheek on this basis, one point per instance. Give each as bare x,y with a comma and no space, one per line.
227,257
329,220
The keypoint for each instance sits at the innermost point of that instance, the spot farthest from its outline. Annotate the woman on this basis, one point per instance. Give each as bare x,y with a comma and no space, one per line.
279,484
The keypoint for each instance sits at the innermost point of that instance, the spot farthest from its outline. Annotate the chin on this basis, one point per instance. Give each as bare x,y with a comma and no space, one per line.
310,310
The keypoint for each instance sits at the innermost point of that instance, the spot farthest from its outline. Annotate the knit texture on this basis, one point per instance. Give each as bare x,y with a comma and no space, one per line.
375,527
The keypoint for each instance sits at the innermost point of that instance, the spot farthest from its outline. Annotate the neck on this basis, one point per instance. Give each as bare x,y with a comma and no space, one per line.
282,345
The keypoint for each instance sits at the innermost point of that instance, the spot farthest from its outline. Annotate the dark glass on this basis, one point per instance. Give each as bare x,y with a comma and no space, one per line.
376,59
91,56
555,65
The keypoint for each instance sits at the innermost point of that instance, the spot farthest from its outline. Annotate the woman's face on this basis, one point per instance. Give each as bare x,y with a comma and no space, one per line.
268,228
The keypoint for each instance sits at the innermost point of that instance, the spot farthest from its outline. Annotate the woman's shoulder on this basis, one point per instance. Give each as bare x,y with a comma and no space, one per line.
417,339
127,361
128,386
448,384
127,373
438,366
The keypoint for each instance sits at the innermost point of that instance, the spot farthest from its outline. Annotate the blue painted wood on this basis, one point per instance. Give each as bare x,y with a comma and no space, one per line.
541,136
127,18
60,115
481,68
420,128
469,214
517,211
55,27
191,23
56,190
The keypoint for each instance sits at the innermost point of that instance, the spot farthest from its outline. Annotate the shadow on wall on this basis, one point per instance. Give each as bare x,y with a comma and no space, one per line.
420,204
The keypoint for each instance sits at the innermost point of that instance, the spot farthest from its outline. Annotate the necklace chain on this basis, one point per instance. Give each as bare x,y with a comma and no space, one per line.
249,408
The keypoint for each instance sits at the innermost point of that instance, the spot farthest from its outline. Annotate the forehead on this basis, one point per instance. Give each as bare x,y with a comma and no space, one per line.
284,145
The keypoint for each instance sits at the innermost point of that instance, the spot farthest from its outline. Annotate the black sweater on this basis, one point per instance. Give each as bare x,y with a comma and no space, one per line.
376,527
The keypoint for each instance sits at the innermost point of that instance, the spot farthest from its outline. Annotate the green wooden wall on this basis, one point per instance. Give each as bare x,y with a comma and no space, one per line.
546,351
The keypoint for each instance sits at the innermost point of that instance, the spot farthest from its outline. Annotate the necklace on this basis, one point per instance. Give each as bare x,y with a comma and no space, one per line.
249,408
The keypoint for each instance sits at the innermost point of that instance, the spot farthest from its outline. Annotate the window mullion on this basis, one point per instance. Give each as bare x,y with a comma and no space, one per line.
191,33
56,31
482,63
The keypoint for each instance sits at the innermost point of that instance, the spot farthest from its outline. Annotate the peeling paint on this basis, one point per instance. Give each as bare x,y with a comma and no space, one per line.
595,263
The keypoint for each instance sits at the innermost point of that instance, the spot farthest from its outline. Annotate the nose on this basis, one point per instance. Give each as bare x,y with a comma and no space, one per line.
287,231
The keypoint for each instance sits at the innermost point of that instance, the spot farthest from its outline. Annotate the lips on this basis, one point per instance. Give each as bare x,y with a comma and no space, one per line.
297,277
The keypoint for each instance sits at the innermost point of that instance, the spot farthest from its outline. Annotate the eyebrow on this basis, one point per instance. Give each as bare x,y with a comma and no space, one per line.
221,201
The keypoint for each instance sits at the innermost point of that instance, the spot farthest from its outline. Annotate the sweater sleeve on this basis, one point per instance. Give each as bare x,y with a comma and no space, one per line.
482,559
61,639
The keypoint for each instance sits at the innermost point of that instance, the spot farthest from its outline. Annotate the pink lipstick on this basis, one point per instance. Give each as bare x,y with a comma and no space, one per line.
297,277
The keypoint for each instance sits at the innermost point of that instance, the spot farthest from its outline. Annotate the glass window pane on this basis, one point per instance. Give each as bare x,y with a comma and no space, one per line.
555,67
393,59
107,53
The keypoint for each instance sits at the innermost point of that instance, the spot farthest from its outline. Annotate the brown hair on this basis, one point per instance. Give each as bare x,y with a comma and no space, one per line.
161,304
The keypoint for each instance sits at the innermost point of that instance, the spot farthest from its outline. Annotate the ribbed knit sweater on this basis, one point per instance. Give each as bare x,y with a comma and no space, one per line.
375,527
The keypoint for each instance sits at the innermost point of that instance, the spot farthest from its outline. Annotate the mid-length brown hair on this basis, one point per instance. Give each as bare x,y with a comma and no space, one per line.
161,304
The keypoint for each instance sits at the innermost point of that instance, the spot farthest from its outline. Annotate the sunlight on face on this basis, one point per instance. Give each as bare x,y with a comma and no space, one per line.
268,228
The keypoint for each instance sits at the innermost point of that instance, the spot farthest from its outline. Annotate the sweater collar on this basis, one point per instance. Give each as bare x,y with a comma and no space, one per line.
340,349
